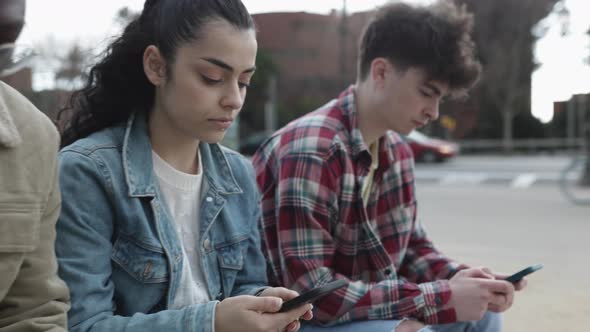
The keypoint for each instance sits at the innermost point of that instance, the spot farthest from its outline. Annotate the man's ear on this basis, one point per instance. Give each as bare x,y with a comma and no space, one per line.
379,71
154,65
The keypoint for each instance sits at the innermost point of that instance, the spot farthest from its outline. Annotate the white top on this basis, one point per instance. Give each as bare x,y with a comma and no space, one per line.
182,194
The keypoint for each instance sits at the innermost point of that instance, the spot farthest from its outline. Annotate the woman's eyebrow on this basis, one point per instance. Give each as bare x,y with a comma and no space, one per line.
225,66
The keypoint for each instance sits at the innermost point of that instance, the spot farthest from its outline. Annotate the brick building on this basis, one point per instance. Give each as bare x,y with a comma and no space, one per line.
22,80
571,118
315,54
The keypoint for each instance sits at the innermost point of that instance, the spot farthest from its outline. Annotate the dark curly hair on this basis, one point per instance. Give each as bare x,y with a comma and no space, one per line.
436,38
117,85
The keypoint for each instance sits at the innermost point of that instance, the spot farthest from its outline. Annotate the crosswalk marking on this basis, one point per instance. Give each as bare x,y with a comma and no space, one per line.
463,178
524,180
513,180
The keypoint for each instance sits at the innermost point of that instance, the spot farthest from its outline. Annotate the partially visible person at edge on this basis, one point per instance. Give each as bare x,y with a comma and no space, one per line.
159,224
32,297
338,187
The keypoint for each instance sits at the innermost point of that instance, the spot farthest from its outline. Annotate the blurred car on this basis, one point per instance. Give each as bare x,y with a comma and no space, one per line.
425,148
429,150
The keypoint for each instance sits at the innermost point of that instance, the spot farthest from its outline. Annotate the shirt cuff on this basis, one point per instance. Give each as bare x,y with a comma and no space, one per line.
455,267
435,296
213,316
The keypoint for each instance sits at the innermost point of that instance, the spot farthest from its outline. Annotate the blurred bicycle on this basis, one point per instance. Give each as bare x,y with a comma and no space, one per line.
571,181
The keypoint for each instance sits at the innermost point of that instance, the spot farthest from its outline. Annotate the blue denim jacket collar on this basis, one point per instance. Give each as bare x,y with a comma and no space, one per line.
137,158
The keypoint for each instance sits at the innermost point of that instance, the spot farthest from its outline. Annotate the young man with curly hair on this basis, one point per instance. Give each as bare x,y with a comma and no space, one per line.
338,187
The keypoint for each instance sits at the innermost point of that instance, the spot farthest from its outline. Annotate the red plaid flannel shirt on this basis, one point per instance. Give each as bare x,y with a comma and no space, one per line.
315,228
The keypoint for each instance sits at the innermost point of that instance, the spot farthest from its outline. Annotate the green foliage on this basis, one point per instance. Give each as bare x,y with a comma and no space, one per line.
298,108
252,115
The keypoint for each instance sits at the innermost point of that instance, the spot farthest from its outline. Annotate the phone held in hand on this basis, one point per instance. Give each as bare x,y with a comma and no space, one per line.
312,295
521,274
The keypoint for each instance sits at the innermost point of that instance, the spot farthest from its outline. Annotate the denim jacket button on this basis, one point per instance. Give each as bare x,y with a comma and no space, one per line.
207,244
209,199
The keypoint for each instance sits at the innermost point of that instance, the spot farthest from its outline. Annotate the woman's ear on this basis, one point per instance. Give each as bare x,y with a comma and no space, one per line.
154,65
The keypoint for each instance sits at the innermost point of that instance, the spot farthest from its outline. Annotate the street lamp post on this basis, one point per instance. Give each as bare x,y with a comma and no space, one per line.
585,119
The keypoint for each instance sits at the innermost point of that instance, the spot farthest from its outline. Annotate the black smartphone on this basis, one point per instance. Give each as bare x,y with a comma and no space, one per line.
312,295
521,274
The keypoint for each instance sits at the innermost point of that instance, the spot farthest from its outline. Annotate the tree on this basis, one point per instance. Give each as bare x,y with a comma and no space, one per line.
585,181
505,40
252,115
72,73
63,66
125,16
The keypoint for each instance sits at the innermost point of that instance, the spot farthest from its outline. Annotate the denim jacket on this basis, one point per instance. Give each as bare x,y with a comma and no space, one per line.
117,247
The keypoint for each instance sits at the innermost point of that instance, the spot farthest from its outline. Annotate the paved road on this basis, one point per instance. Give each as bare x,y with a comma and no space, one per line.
507,229
515,171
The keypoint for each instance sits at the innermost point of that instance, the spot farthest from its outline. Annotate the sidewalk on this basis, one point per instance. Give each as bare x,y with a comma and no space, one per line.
513,171
508,230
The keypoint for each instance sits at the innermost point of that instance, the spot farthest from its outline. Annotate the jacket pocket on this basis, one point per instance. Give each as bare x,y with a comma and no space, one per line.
145,263
231,261
19,227
230,256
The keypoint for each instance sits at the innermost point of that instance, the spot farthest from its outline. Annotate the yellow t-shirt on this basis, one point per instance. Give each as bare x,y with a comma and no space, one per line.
368,184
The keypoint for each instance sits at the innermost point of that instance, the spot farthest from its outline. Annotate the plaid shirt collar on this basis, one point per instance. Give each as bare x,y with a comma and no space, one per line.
347,103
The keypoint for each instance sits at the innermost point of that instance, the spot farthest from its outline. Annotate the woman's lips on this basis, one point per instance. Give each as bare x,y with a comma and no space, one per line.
222,123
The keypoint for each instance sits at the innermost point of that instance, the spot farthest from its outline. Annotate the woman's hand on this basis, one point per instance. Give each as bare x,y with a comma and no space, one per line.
258,313
287,294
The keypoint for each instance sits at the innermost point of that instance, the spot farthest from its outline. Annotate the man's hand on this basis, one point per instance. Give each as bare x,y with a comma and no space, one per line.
520,285
257,314
504,304
475,290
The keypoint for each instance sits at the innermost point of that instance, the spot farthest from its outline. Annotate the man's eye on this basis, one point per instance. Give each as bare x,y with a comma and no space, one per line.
424,93
244,85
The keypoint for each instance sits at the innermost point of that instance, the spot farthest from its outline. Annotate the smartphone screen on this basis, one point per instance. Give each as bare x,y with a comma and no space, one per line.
524,272
313,294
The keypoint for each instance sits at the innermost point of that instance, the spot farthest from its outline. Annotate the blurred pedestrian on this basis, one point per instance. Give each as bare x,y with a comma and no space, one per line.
338,187
159,229
32,297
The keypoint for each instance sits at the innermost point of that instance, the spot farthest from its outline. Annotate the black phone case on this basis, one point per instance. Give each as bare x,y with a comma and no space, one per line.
521,274
312,295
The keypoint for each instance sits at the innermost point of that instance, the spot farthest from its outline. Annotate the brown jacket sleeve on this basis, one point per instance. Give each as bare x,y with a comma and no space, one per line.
32,296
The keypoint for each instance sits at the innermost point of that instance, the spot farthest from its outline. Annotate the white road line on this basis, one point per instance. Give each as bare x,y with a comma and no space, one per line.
523,181
464,178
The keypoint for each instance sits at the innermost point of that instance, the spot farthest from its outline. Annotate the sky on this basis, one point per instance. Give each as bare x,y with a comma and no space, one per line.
563,70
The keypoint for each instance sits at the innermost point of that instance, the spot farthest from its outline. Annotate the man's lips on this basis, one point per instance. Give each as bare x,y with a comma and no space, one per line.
420,124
